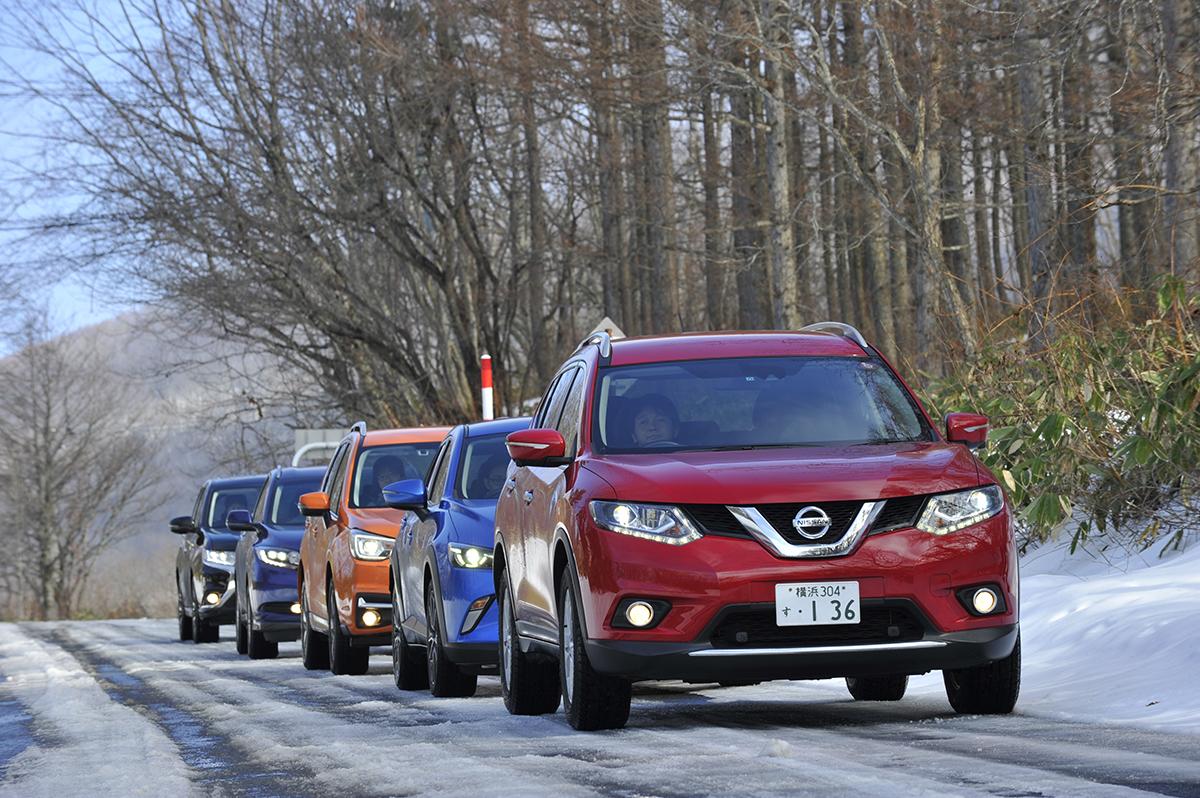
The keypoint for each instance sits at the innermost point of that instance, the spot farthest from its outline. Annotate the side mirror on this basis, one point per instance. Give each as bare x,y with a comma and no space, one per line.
239,521
537,447
183,525
969,429
314,504
407,494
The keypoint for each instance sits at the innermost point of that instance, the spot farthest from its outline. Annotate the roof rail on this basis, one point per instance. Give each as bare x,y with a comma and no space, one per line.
838,328
359,426
601,339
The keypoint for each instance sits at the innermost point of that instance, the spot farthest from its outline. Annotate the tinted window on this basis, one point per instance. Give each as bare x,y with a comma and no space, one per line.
483,469
568,423
379,466
285,510
549,419
437,477
753,402
225,499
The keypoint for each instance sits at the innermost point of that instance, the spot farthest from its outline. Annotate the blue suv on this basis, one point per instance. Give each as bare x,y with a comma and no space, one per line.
268,609
441,566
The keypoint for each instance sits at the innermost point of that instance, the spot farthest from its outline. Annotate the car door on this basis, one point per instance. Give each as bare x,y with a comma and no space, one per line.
408,554
312,547
187,547
539,493
424,530
336,524
196,541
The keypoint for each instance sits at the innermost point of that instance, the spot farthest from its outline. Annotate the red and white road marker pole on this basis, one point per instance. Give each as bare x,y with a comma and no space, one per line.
485,373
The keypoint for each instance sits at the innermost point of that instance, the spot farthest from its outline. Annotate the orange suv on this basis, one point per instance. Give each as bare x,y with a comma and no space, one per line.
345,606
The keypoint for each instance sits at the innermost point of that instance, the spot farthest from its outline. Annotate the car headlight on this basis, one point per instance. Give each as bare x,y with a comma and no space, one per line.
220,559
950,512
368,546
660,522
281,558
470,556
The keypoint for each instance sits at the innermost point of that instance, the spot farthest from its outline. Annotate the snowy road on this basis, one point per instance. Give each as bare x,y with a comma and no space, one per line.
120,708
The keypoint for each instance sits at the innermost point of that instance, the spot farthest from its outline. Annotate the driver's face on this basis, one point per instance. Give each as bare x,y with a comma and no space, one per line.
386,476
650,425
493,480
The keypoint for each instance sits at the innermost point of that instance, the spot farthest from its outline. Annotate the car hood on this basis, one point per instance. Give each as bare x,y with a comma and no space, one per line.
380,521
221,539
764,476
474,521
284,537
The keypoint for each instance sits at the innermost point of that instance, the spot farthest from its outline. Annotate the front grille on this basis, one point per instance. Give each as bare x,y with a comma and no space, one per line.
898,513
715,519
841,515
754,627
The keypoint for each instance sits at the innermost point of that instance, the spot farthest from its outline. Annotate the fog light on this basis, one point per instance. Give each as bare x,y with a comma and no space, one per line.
984,600
295,608
371,618
639,613
213,598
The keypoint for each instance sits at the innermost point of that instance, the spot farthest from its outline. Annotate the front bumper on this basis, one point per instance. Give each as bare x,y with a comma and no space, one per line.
216,580
701,662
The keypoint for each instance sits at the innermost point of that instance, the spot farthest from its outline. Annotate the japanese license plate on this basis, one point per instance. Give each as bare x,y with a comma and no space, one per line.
816,603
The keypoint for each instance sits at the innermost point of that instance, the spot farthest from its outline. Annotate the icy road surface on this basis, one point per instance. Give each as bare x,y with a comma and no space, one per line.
121,708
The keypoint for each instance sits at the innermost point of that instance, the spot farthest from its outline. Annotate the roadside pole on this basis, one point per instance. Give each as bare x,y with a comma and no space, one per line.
485,373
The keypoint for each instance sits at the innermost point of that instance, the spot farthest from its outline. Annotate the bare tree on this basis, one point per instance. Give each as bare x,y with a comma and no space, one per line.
75,469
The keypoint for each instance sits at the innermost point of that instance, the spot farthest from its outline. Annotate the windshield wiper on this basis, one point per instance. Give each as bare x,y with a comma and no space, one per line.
745,447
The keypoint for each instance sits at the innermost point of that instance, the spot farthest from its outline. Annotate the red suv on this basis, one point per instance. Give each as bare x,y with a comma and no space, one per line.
739,507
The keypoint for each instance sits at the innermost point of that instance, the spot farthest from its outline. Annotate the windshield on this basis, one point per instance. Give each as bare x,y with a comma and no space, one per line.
223,500
380,466
753,402
484,465
284,507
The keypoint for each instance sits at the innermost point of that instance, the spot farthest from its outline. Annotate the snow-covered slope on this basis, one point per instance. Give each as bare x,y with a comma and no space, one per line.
1112,636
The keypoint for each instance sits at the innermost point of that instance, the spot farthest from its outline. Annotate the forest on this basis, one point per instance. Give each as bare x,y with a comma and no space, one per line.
1002,195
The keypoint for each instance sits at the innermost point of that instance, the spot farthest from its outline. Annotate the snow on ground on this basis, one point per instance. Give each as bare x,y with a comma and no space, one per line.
1112,636
1109,706
86,742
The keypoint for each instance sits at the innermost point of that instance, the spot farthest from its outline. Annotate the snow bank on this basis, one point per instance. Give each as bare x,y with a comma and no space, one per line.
1112,636
86,744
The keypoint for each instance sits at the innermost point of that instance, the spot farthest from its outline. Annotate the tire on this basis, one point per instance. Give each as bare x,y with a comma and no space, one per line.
241,633
529,685
344,659
990,689
258,646
205,632
185,621
591,700
446,680
877,688
408,669
314,648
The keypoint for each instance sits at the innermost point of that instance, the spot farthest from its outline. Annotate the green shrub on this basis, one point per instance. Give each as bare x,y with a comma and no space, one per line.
1102,427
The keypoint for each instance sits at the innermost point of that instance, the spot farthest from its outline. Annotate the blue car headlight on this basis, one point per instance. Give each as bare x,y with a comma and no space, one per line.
462,556
280,558
219,559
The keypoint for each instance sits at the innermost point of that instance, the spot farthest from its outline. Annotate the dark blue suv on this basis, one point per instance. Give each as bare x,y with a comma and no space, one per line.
204,585
268,609
441,564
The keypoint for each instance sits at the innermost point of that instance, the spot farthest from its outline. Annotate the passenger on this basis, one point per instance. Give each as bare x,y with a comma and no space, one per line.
655,420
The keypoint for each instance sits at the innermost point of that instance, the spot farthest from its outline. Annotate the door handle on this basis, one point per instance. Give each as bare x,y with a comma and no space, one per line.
528,496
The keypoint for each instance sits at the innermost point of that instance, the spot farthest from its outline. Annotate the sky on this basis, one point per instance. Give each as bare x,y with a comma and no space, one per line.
72,303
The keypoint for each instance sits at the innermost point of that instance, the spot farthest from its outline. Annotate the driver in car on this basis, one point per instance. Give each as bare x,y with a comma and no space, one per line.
655,421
